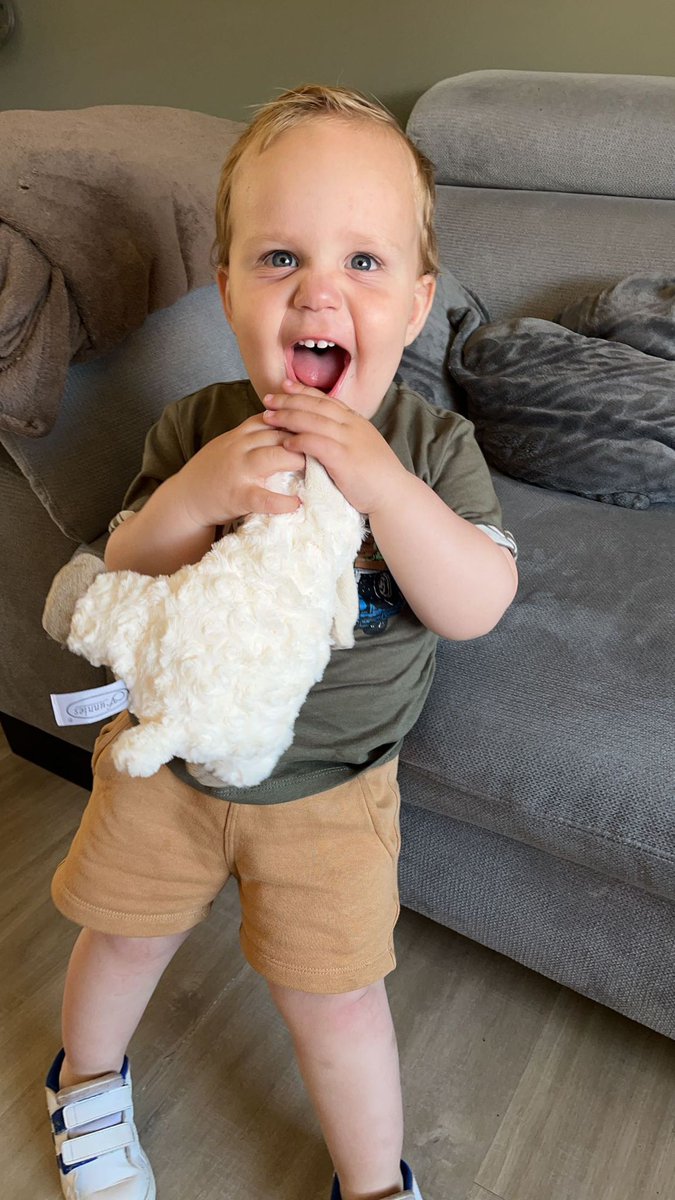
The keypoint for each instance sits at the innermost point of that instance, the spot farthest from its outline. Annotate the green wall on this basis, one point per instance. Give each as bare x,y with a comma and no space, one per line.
220,56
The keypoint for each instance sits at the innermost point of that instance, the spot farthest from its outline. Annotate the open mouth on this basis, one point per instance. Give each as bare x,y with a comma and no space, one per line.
318,363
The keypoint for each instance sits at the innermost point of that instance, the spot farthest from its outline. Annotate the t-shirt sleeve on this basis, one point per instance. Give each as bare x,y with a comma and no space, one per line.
460,475
164,454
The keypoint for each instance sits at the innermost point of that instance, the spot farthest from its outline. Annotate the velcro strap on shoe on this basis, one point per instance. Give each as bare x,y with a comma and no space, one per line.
91,1145
105,1104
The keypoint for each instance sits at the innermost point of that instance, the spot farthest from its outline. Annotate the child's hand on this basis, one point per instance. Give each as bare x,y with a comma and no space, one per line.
354,453
226,478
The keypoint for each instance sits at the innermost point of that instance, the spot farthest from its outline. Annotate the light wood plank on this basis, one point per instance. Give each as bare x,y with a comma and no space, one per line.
594,1115
467,1022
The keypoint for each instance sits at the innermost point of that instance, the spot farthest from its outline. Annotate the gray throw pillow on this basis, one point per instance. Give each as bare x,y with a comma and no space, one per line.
565,411
424,364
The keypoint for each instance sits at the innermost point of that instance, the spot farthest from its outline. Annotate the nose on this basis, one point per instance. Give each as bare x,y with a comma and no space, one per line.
316,289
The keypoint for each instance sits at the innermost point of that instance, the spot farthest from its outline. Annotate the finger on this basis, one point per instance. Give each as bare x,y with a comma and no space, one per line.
303,397
265,433
268,440
268,459
252,426
325,449
292,387
308,396
307,420
261,434
272,503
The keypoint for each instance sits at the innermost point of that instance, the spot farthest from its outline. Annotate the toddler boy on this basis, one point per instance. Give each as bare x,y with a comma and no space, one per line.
326,266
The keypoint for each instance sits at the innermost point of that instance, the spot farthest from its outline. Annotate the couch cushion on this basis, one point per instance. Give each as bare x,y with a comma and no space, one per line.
600,936
531,253
557,728
549,184
549,130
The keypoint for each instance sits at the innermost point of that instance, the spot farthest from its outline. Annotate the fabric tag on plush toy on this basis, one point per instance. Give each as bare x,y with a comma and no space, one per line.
96,704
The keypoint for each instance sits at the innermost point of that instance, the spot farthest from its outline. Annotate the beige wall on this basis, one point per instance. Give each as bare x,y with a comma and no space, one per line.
222,55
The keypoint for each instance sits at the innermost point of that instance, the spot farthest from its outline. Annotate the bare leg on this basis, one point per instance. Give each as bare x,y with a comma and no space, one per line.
348,1058
109,983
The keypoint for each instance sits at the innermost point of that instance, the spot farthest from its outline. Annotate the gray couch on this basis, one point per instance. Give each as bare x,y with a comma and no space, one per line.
538,813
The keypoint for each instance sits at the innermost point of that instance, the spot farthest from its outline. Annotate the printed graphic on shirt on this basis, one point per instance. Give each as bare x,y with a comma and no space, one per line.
380,598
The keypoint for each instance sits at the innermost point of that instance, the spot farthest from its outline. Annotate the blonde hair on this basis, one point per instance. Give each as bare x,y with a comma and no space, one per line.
302,104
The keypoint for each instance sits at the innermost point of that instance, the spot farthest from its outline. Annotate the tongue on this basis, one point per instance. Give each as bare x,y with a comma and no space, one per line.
320,371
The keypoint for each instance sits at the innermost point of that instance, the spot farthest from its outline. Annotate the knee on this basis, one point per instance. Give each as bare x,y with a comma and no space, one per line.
133,952
336,1013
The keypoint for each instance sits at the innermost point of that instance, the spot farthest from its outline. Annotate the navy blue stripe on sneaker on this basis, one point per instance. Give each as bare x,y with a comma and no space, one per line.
407,1177
406,1173
73,1167
58,1121
54,1073
53,1080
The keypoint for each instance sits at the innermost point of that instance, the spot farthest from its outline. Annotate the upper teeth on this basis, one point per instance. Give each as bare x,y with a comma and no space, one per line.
311,344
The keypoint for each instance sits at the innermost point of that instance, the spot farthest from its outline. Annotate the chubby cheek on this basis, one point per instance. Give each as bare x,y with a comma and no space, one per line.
385,324
249,324
381,344
264,367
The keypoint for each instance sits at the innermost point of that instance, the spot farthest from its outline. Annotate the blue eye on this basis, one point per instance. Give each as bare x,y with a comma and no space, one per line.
363,262
280,258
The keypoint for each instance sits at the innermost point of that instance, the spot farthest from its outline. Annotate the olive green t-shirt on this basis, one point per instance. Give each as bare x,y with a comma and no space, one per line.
371,695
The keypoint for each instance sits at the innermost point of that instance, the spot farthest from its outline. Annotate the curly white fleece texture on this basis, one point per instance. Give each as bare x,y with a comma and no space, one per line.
219,657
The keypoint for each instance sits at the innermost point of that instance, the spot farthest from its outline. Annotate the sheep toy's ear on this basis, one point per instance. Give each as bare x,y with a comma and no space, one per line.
337,515
317,483
346,610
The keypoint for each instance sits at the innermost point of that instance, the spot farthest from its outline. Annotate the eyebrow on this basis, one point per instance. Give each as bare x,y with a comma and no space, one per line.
378,238
355,238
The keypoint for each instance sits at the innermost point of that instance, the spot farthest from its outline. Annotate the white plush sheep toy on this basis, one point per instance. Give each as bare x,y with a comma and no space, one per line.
219,657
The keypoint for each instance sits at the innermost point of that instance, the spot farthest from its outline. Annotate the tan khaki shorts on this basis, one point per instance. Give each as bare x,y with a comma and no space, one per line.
317,877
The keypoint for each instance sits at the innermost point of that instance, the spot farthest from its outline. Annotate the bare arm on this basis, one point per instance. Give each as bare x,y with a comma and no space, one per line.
454,577
161,537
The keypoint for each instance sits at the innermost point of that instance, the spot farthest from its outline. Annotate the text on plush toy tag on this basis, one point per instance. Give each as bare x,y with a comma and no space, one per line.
96,704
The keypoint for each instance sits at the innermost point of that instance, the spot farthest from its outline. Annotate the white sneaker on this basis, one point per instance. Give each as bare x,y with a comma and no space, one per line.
410,1188
104,1163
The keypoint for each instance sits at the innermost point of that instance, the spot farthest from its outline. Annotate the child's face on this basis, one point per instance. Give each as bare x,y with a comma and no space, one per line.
326,247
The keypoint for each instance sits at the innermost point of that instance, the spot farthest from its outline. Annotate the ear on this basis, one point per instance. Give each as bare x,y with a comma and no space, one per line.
223,279
423,298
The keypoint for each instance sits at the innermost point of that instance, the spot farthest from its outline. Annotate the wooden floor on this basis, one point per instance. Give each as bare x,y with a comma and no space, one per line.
515,1088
